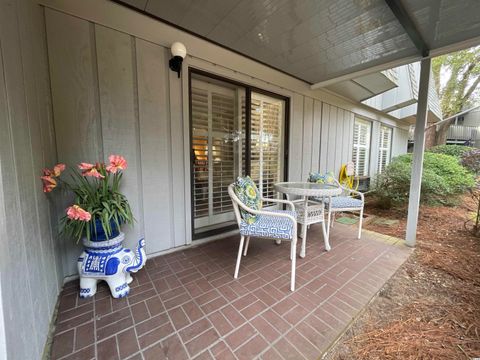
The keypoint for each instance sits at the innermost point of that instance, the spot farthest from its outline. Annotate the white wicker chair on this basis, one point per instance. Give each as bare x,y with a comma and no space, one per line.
267,225
347,202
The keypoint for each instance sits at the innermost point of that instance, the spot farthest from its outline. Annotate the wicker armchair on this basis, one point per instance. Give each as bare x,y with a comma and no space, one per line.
272,224
350,201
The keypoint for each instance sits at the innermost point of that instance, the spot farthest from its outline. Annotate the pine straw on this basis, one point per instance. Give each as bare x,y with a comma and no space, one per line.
418,335
431,308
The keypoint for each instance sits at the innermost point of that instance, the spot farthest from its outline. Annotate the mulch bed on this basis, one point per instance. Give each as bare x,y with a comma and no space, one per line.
430,309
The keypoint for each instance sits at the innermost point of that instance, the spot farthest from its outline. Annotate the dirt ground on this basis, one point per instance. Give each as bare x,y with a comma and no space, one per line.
430,309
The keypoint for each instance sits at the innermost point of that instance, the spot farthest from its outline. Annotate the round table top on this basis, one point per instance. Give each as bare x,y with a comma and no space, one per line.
308,189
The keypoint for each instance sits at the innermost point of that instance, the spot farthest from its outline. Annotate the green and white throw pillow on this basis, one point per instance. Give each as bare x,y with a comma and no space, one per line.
247,192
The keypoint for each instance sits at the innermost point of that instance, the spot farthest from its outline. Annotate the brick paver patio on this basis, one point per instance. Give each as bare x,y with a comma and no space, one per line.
187,304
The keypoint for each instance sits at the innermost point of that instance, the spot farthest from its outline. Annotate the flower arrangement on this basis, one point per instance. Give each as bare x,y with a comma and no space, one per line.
98,201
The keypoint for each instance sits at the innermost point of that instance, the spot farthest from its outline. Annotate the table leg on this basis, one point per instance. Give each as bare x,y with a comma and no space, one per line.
304,227
329,216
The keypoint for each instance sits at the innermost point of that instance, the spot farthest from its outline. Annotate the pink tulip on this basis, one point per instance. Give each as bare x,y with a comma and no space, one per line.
49,183
75,212
117,162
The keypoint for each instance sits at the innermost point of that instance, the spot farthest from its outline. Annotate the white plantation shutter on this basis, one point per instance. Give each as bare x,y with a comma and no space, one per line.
266,143
216,160
385,145
361,146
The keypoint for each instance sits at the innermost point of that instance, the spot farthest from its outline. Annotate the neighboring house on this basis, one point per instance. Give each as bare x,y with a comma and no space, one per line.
465,128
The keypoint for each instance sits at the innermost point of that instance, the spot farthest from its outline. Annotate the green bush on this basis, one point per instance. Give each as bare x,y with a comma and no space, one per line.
452,150
443,179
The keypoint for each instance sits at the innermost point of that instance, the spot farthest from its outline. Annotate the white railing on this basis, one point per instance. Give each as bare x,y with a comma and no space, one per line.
459,132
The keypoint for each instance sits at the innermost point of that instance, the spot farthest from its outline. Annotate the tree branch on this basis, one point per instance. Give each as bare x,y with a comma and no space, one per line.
471,89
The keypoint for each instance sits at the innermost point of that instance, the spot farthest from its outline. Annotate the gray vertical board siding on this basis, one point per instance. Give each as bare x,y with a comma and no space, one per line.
332,138
399,142
155,144
307,137
73,76
118,114
349,133
177,171
34,108
296,139
116,94
28,266
339,141
324,137
316,135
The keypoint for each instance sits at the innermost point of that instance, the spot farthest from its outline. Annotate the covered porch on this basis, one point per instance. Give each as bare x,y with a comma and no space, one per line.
188,305
80,80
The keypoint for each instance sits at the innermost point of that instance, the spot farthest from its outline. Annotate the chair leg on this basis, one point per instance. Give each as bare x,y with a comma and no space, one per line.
294,259
333,219
360,223
304,241
239,257
247,242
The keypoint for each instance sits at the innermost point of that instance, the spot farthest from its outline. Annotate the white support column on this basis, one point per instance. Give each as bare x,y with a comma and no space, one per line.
418,152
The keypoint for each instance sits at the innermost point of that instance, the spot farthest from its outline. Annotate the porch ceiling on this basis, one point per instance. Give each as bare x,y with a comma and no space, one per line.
318,40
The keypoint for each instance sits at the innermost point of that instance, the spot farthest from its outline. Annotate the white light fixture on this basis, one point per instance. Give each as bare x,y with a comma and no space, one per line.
179,51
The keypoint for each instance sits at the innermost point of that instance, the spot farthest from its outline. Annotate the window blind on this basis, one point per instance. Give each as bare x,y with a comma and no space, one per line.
361,146
385,145
215,151
266,144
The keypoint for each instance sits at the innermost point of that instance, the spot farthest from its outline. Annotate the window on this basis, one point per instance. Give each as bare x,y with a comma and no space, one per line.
385,145
219,147
361,146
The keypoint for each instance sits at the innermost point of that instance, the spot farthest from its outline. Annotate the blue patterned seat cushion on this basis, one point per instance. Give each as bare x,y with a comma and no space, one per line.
343,202
270,226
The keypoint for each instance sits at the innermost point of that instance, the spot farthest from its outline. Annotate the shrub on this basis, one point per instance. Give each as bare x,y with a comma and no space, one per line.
452,150
471,161
443,178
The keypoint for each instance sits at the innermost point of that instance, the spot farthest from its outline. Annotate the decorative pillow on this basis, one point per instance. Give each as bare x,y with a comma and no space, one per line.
247,192
327,178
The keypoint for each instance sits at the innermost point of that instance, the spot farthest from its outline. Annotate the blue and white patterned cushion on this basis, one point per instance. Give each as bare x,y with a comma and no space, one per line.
343,202
270,226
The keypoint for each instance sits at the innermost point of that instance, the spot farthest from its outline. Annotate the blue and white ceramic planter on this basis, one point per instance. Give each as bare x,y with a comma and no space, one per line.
108,260
98,234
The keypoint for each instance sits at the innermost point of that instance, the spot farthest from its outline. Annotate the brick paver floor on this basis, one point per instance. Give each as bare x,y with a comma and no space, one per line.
187,305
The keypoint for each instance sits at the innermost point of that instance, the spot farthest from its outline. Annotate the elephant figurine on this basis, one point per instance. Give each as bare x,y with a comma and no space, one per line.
110,261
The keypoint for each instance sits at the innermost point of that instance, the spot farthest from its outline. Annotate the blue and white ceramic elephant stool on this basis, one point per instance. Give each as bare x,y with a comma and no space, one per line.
110,261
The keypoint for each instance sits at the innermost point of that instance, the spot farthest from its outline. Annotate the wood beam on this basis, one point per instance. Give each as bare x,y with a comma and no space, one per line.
418,153
407,23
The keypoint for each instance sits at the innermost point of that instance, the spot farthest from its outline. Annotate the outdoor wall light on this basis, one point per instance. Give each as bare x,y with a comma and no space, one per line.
179,51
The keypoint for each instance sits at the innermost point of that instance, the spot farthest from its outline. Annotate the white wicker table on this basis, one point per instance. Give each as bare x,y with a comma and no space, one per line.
309,212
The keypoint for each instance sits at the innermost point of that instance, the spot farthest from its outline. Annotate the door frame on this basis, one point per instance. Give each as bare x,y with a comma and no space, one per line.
248,93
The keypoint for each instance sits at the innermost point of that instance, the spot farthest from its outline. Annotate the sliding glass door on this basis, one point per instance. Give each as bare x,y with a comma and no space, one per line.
226,142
